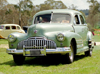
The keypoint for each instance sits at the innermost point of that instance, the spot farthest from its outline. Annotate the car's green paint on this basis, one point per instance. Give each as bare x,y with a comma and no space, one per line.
79,32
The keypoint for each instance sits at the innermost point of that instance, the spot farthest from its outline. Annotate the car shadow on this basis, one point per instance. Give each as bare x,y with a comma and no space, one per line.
79,57
44,61
11,63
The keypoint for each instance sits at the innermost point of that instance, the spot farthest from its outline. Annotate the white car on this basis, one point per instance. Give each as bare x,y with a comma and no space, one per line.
6,29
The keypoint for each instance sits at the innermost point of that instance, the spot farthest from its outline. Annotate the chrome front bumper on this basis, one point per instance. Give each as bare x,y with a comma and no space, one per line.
39,52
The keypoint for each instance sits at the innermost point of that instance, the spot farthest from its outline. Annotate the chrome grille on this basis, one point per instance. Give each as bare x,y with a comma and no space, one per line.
37,43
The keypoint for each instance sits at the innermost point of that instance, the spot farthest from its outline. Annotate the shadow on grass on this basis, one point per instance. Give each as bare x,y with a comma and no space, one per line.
79,57
11,63
44,61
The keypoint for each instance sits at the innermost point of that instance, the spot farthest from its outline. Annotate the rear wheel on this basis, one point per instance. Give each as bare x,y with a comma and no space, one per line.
19,59
89,52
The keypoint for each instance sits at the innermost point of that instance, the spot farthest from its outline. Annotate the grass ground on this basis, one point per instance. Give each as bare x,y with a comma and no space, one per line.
3,41
51,65
81,65
97,38
97,35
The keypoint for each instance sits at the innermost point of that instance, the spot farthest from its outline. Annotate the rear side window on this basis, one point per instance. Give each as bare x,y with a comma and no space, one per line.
13,27
1,27
7,27
82,19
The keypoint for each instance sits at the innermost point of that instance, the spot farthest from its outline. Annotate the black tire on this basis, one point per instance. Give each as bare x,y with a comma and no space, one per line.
89,52
19,59
70,56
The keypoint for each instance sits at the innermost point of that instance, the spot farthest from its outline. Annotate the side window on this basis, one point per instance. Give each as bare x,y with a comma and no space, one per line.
1,27
82,19
7,27
77,19
13,27
18,27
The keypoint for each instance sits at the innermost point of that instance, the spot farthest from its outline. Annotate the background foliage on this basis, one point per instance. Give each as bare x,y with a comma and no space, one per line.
9,13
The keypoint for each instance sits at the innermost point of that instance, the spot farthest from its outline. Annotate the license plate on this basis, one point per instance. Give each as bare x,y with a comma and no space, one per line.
35,52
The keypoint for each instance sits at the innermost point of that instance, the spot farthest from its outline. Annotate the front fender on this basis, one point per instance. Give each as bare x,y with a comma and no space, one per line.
20,37
71,35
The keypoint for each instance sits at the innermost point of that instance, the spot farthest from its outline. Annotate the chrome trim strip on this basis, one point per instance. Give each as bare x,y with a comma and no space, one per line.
58,50
14,51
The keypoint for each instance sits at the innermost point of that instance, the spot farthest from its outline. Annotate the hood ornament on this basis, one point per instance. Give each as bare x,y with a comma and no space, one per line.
35,31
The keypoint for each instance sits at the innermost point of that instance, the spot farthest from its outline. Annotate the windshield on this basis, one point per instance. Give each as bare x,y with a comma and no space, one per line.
61,18
55,18
1,27
43,18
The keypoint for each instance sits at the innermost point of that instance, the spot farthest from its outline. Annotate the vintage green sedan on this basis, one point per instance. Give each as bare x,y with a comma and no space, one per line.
58,31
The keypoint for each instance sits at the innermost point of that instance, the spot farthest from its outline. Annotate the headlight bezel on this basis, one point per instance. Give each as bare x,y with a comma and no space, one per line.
11,38
60,37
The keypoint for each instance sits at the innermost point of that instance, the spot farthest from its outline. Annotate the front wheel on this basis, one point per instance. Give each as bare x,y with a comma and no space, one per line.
19,59
70,56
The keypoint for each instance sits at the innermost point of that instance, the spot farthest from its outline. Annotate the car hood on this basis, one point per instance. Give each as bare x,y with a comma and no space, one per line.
48,29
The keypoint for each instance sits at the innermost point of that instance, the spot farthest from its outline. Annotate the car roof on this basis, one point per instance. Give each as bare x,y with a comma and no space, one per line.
58,11
9,24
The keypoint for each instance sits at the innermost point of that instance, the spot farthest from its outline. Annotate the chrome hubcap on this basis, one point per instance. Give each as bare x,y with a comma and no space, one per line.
71,54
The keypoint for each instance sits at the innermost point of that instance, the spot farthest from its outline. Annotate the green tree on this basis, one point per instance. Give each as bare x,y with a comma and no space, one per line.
25,8
3,3
11,14
52,4
93,18
3,9
73,7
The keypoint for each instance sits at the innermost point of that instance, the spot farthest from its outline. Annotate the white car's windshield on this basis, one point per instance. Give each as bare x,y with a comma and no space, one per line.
55,18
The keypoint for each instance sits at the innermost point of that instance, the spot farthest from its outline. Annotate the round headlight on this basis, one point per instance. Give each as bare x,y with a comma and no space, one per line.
11,38
60,37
